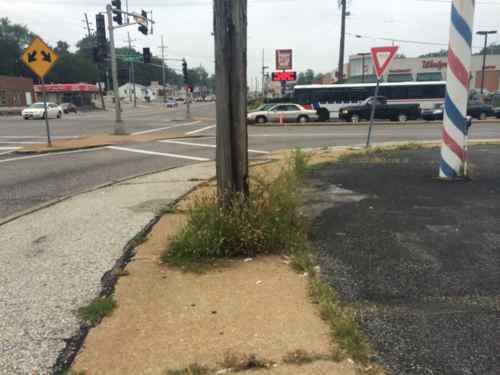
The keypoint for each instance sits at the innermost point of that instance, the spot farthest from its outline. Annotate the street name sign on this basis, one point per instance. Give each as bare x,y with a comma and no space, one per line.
382,58
39,57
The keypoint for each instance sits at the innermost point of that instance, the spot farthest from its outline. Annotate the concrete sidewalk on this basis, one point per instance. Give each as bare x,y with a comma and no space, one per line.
52,261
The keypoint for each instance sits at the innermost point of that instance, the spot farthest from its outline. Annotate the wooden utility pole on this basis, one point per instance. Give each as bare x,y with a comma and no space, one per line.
230,30
340,70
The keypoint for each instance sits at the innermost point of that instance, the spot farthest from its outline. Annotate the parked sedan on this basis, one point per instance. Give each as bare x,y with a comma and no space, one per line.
497,112
69,108
171,103
287,112
37,111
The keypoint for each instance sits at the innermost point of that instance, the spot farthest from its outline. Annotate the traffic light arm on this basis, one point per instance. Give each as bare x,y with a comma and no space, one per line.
149,20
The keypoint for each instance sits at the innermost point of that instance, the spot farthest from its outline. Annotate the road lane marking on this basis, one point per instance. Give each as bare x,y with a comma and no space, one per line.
9,148
200,130
50,154
205,145
165,128
154,153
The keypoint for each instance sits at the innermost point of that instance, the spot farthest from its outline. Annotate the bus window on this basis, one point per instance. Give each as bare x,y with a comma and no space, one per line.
434,91
416,92
398,92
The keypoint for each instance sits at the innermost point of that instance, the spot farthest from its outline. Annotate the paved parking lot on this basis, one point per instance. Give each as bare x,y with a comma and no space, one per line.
418,256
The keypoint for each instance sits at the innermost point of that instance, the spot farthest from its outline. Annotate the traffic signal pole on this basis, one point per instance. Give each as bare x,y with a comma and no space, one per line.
119,130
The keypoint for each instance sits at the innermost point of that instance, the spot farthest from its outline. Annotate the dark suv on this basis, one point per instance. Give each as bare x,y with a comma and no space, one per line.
475,109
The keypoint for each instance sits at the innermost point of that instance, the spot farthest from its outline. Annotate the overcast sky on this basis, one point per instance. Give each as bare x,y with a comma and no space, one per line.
310,27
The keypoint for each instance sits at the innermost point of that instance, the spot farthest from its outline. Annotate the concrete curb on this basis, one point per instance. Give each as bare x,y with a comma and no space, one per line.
363,124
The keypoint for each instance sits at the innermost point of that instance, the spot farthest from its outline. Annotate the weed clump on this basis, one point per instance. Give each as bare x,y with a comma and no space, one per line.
269,221
97,310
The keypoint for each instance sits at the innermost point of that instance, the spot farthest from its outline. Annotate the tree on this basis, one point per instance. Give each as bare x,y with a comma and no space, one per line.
13,40
440,53
306,78
492,49
62,48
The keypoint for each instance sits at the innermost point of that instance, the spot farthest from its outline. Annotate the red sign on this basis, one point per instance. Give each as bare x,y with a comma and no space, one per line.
431,64
284,59
382,57
67,87
284,76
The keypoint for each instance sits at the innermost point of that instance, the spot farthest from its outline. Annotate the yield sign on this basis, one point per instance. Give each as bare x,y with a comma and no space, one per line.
39,57
382,57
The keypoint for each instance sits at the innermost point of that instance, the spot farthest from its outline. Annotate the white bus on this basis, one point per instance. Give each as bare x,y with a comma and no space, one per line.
332,97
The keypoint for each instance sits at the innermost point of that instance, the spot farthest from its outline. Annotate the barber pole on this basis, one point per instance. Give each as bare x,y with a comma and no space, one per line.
453,155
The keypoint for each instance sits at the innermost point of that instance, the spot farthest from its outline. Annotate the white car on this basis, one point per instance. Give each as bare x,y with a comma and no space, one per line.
286,112
37,111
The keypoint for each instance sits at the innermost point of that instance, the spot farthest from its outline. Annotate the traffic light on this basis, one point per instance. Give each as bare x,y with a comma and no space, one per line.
101,31
117,10
143,28
185,71
100,52
146,54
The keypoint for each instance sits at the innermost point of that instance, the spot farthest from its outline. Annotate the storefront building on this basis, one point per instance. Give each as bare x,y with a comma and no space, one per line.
80,94
425,69
16,91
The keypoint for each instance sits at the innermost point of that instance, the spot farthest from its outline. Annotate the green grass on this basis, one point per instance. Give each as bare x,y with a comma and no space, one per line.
97,310
193,369
268,222
342,322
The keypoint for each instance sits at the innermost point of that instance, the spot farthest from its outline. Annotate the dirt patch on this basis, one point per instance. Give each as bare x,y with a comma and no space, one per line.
167,319
99,140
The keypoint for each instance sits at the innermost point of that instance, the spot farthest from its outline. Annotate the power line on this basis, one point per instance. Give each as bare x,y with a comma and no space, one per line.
406,41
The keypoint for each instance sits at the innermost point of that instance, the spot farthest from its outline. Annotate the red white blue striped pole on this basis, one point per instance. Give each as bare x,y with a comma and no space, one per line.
457,90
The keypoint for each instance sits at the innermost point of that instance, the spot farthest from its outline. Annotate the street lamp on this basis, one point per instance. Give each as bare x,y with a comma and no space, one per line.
485,34
363,55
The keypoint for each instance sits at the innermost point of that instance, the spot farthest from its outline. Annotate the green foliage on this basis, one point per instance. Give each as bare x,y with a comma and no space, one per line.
80,66
342,321
269,221
440,53
97,310
306,78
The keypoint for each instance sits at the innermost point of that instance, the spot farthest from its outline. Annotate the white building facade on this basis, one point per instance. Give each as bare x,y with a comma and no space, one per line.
426,69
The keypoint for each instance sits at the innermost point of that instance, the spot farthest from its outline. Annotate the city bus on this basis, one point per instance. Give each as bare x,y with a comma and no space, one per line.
330,98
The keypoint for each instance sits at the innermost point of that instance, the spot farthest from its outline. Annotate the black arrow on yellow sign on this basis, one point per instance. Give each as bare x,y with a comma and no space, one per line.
32,57
47,56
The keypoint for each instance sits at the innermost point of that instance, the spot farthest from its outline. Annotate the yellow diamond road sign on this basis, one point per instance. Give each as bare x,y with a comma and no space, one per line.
39,57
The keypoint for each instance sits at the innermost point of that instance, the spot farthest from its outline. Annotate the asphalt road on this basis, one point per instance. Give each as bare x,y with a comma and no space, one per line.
26,182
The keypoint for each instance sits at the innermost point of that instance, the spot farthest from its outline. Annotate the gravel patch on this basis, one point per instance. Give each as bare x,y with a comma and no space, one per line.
52,262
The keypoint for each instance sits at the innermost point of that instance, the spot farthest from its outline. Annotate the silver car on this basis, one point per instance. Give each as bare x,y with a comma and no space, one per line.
286,112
